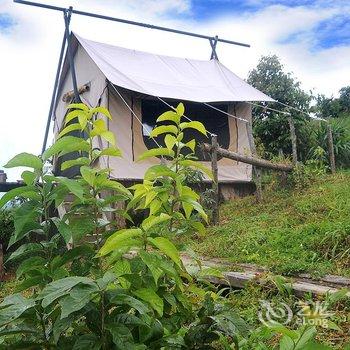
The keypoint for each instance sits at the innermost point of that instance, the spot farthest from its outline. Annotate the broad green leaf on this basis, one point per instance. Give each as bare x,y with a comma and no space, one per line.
81,226
194,125
80,106
111,151
180,109
151,297
196,206
155,152
154,207
199,227
191,145
66,144
30,283
26,160
68,129
26,220
101,110
169,115
28,177
99,127
125,299
24,250
153,264
198,165
78,297
164,129
88,341
188,209
70,163
75,114
166,247
121,238
13,307
16,192
83,119
113,185
88,174
73,186
151,221
156,171
170,141
61,287
72,254
30,264
109,137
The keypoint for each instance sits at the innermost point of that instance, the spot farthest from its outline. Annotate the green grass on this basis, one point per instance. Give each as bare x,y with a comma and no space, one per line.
290,232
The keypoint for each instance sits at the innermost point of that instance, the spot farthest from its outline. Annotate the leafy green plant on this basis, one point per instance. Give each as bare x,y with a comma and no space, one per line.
91,285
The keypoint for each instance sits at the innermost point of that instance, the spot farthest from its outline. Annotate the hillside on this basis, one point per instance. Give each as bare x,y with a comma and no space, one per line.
290,232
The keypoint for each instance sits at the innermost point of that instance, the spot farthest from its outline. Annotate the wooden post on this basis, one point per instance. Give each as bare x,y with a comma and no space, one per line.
256,170
1,263
215,184
330,148
293,138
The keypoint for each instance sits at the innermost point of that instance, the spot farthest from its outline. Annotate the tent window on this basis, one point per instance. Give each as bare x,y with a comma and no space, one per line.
214,121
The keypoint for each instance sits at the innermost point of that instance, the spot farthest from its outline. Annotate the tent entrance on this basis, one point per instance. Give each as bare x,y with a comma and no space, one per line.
214,121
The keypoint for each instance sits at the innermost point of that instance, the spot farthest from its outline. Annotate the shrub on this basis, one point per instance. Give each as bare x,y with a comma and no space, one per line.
6,227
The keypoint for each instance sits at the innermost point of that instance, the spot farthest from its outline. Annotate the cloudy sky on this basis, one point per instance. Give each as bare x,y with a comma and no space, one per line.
312,38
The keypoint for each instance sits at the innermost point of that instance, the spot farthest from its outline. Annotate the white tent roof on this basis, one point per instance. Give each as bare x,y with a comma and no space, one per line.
170,77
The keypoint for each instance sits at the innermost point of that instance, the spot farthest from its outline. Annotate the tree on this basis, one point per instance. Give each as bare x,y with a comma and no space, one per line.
272,127
344,99
327,107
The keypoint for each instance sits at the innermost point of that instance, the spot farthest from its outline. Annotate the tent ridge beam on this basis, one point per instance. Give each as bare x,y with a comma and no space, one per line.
126,21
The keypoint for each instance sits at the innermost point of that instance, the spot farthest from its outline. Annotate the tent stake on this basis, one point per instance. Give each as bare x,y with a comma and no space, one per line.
215,183
54,91
331,147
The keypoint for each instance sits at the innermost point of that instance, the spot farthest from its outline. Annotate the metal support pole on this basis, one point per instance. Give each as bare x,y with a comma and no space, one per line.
54,92
215,184
66,15
126,21
213,43
331,148
256,170
293,138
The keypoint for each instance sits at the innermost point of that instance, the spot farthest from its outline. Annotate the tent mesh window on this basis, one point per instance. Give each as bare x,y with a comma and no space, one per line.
214,121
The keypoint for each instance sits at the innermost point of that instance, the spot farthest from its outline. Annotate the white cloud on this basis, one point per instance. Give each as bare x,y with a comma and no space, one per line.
30,51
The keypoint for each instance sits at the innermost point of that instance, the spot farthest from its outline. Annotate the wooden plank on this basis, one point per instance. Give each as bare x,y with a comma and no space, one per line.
239,279
262,163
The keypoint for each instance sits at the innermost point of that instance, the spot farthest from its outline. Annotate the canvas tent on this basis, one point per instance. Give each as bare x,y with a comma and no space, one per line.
134,85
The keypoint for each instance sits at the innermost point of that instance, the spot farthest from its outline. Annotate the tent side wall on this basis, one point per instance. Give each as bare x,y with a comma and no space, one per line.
87,72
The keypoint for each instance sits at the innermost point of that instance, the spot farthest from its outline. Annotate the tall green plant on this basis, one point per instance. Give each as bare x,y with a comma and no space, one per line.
126,289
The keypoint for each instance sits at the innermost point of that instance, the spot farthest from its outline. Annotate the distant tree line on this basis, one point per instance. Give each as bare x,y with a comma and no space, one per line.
271,128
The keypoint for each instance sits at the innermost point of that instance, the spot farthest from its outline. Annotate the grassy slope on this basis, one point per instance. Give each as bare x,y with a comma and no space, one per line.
290,232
